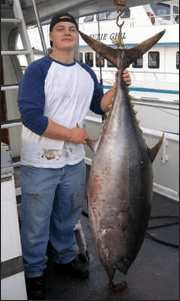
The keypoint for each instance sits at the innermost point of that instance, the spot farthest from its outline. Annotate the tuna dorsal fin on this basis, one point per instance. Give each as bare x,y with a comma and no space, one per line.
114,55
154,150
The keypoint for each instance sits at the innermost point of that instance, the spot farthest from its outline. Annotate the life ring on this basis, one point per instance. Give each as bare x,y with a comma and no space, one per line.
152,17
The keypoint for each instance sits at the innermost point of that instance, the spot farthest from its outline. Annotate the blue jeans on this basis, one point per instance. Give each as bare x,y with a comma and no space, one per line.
52,201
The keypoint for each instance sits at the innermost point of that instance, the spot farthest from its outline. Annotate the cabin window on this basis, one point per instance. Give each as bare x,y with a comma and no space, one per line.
81,57
126,13
177,60
112,15
89,59
99,60
89,19
138,63
153,60
162,10
101,16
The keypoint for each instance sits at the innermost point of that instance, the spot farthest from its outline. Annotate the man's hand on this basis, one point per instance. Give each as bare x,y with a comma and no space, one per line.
126,77
58,132
79,136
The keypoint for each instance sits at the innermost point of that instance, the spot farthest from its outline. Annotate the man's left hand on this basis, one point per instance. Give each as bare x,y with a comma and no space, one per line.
126,78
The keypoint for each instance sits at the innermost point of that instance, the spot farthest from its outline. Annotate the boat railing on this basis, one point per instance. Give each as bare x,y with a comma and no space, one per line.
150,132
109,75
155,74
133,72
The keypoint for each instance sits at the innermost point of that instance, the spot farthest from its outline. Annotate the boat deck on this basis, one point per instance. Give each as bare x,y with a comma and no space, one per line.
153,276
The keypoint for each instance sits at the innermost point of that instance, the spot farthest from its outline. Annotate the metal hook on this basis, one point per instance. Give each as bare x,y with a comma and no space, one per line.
117,22
120,11
120,40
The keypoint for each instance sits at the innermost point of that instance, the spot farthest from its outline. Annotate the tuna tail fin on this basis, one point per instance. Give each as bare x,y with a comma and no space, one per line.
154,150
107,52
142,48
114,55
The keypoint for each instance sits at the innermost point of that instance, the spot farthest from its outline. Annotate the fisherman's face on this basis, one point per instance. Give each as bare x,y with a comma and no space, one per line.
64,36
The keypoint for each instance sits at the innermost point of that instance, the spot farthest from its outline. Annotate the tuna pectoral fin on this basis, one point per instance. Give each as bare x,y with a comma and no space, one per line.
92,144
114,55
154,150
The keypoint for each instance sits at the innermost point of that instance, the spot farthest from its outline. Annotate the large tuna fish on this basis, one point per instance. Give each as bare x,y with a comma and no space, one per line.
121,177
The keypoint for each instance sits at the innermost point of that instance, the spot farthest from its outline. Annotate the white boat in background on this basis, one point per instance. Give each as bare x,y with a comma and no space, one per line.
155,76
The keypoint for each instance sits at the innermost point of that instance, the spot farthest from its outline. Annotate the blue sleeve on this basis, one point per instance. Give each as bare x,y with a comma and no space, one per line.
98,91
31,99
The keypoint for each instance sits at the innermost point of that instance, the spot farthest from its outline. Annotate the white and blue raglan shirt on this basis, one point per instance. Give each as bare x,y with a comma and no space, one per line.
62,93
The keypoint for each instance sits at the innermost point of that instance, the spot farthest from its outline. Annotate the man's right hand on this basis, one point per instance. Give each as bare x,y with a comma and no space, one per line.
79,136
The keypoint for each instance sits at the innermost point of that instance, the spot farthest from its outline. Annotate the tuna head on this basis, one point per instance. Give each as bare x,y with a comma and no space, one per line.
113,252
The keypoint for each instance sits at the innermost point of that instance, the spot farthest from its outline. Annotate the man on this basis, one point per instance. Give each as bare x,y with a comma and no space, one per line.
54,97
